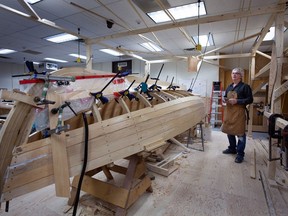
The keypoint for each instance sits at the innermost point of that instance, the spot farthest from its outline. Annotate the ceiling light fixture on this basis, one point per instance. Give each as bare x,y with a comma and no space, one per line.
78,56
179,12
202,39
271,34
111,52
33,1
60,38
151,47
6,51
56,60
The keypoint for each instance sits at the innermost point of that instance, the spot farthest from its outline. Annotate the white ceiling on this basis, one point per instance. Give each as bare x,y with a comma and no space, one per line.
23,34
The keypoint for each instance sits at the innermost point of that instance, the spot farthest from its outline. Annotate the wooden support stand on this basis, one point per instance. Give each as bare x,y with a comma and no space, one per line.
166,166
136,182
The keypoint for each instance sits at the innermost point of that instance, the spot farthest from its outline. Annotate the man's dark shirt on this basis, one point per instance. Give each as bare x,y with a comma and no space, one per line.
244,93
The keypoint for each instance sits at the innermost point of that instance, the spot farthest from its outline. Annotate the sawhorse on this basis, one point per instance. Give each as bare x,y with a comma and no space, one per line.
136,182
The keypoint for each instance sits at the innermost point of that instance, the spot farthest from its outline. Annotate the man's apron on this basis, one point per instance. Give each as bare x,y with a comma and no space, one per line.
234,117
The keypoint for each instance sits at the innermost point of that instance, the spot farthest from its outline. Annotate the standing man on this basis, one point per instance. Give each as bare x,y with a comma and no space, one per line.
237,96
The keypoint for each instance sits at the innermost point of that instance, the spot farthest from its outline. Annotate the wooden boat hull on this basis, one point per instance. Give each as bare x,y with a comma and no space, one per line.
135,128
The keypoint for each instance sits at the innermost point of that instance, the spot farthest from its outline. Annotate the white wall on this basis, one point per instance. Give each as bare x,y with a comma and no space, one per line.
178,69
207,74
7,70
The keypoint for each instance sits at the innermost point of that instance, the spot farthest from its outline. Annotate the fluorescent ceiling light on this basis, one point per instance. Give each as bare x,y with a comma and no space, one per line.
151,47
160,61
203,40
180,12
56,60
271,34
33,1
60,38
78,56
111,52
6,51
159,16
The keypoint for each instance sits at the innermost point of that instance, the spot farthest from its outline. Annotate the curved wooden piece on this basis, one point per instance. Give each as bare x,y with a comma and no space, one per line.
14,132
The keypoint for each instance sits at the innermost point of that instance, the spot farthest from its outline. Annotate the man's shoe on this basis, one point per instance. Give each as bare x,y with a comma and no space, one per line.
238,159
229,151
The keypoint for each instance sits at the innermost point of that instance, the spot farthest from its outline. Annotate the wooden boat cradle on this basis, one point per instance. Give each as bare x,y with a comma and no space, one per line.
117,130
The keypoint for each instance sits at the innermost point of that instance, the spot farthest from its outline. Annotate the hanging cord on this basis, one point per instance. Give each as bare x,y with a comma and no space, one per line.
201,62
86,131
199,1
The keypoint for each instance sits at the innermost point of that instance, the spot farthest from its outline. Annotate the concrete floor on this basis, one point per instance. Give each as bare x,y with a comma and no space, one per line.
206,183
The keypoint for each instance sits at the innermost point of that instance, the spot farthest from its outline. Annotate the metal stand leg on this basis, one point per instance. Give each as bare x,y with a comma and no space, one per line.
193,141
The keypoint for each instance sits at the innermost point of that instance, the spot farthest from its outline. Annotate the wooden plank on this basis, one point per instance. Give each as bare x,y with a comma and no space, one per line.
18,96
143,100
104,191
253,165
194,173
263,54
167,95
277,50
175,93
231,44
140,169
96,113
14,131
280,90
128,182
281,123
180,144
154,145
263,72
59,153
263,33
206,19
138,190
123,105
243,55
106,148
259,87
158,170
157,96
267,194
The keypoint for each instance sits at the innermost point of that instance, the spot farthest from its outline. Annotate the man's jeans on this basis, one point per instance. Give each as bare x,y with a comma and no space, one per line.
240,147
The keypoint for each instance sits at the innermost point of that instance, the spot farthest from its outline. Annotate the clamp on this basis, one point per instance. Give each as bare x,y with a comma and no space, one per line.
126,93
42,100
59,128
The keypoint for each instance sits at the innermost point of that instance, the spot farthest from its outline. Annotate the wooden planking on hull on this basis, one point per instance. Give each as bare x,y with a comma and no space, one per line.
20,119
141,127
117,130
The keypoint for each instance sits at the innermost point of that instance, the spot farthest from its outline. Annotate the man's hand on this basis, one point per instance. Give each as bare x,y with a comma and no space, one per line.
232,101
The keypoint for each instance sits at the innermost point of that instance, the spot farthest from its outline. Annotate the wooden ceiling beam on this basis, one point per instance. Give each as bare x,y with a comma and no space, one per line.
265,30
243,55
272,9
231,44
